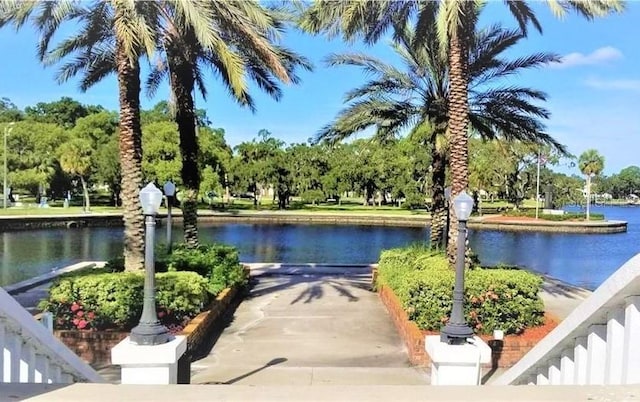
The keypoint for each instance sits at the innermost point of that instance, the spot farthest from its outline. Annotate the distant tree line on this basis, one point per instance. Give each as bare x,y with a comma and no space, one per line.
65,146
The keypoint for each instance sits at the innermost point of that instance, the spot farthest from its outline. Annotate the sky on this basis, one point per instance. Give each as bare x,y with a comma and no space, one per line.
594,93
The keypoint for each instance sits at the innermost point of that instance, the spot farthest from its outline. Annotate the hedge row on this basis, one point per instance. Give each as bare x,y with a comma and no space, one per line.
505,299
567,216
109,298
105,300
219,263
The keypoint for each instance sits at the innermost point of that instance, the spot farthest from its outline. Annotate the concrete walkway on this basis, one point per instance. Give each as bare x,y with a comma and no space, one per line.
315,325
309,329
559,298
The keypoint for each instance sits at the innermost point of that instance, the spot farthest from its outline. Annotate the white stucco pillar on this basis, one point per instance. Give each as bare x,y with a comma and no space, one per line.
457,364
143,364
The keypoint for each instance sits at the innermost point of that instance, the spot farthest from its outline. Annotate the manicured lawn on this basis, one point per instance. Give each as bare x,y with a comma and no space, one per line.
56,210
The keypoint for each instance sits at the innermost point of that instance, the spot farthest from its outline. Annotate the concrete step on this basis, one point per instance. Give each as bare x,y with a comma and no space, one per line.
273,375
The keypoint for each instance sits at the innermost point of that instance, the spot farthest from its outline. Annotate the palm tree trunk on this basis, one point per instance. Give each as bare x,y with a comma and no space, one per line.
588,194
130,138
85,192
439,211
182,82
458,120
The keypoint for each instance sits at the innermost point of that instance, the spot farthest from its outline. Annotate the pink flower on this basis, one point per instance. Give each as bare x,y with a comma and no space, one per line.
160,314
76,321
82,324
75,307
91,315
80,313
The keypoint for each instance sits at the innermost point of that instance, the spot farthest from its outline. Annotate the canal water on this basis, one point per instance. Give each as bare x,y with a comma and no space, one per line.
580,259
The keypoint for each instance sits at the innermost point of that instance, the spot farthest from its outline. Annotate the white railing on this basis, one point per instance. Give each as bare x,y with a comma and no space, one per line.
598,343
31,354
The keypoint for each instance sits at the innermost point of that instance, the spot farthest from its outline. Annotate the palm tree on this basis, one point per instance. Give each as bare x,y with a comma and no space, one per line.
191,37
455,21
238,40
75,159
591,163
118,20
417,99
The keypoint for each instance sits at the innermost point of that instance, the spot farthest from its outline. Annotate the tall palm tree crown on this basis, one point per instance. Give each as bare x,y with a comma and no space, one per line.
417,98
590,163
130,38
236,39
455,21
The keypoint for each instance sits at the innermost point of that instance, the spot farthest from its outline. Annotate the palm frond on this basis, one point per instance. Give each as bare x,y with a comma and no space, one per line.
524,15
387,115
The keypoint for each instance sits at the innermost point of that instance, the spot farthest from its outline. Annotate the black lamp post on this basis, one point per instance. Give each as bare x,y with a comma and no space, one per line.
149,331
457,331
169,191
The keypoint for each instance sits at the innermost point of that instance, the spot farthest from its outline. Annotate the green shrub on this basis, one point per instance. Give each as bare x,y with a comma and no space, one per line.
104,300
414,200
312,196
497,298
567,216
220,264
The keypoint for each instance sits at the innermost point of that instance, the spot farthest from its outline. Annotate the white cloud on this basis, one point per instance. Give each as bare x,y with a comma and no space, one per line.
621,84
599,56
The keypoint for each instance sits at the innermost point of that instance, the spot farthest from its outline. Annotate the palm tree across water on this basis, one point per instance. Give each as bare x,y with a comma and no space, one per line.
244,37
416,99
188,37
130,39
455,22
591,163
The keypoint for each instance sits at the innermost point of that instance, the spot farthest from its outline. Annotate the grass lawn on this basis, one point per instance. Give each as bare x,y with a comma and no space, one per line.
56,210
348,206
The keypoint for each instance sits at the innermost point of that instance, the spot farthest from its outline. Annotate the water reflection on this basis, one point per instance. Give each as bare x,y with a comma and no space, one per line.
584,260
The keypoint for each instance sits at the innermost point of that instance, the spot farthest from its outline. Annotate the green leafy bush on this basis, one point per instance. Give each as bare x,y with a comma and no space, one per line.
105,300
414,200
220,264
312,196
497,298
567,216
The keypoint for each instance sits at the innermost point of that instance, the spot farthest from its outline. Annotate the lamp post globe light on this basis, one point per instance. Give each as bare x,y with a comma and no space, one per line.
5,196
457,331
149,330
169,192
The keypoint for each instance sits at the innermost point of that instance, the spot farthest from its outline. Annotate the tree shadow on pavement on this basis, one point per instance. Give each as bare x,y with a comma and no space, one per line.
270,363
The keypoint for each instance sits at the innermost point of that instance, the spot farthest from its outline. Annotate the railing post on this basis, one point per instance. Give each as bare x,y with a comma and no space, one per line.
42,369
580,361
542,376
28,364
14,346
3,343
567,367
615,347
596,354
554,372
631,360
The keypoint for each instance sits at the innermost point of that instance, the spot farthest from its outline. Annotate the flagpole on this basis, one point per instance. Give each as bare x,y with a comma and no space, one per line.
538,186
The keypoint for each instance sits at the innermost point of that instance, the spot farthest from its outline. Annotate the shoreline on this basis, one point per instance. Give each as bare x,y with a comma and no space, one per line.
487,222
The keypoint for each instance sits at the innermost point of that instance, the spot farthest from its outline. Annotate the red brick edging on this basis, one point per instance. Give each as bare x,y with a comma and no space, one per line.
505,353
94,347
